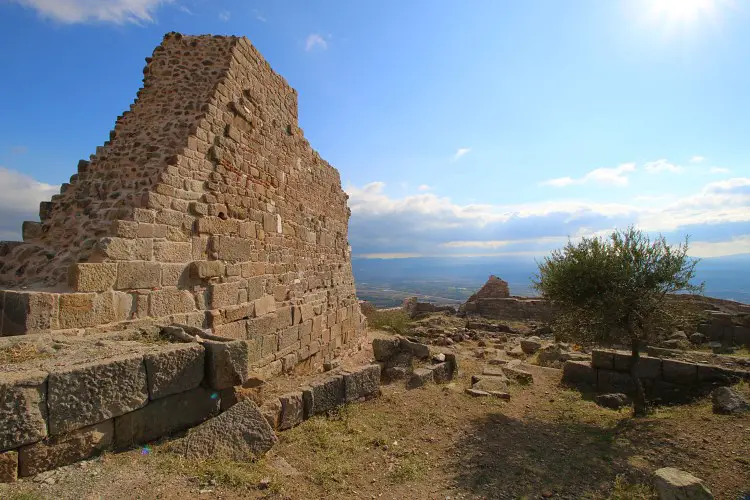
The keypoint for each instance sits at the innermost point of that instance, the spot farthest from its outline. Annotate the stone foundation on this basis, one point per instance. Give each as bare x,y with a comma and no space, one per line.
510,309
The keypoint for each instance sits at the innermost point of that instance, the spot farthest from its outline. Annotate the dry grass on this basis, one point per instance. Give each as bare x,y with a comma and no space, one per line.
18,353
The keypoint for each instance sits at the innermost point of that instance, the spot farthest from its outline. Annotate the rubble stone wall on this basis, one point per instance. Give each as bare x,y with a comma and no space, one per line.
207,208
511,309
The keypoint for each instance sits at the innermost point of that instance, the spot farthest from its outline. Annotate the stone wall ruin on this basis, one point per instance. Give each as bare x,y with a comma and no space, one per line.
207,207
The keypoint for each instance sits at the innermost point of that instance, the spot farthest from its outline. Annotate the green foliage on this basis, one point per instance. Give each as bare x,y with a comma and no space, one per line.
626,491
393,320
608,289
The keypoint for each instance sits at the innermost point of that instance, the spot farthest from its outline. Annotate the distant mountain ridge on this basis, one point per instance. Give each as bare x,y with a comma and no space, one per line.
454,279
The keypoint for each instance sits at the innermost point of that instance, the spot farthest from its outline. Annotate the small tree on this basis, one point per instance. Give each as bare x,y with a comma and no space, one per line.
608,290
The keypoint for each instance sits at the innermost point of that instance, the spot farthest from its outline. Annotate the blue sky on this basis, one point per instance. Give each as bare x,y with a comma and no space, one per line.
459,128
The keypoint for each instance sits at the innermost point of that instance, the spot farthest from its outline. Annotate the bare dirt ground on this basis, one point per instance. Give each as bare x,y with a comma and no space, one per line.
437,442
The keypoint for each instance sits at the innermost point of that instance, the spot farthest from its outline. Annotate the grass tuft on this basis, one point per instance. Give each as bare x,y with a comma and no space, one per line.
394,320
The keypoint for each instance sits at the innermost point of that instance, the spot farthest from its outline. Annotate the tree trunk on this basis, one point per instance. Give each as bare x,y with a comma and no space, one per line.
639,401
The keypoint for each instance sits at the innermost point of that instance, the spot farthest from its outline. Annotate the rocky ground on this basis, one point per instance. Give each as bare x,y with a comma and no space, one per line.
439,442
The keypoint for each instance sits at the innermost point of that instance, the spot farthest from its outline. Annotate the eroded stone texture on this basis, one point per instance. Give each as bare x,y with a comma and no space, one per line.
66,449
362,383
86,394
8,467
327,394
227,363
23,408
176,368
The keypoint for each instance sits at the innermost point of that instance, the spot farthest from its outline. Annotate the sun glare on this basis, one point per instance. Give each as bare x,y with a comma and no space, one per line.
683,11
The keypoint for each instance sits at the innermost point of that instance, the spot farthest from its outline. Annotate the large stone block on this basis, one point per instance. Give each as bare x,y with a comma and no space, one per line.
240,433
614,381
174,368
8,467
441,372
65,449
233,249
578,373
603,359
223,295
92,277
173,251
265,305
166,416
384,349
327,394
292,410
362,383
82,395
28,312
675,484
206,269
81,310
679,372
421,351
23,408
135,275
170,301
226,363
234,330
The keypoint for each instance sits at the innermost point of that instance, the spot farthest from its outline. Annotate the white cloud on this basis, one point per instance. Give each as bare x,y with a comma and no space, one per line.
719,170
707,249
460,152
424,187
696,159
79,11
225,15
315,40
603,176
20,196
259,16
185,10
655,167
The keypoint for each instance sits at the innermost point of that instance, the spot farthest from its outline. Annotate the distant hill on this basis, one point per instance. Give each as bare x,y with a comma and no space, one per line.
451,280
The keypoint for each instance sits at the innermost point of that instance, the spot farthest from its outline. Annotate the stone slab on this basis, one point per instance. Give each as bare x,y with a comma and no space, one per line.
23,408
362,383
419,378
240,433
28,312
579,373
603,359
327,394
81,395
166,416
420,351
65,449
384,349
679,372
226,363
175,368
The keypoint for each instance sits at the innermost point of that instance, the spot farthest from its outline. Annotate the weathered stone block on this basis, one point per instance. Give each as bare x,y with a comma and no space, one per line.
8,467
261,326
174,368
292,410
23,408
603,359
173,275
234,330
420,377
205,269
421,351
614,381
327,394
82,395
679,372
80,310
577,373
28,312
441,372
711,373
265,305
362,383
135,275
226,363
223,295
65,449
238,312
675,484
384,349
166,416
173,251
170,301
240,433
92,277
232,249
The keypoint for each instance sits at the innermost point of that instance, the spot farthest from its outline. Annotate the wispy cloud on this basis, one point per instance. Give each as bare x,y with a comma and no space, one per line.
225,15
658,166
424,187
185,10
696,159
259,16
461,152
719,170
315,40
81,11
616,176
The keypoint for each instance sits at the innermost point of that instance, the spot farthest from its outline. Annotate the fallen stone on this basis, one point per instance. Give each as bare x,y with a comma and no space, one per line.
384,349
438,358
226,363
698,338
500,395
271,411
292,410
399,367
362,383
518,375
82,395
516,352
420,351
498,384
240,433
674,484
531,345
23,408
420,378
441,372
494,370
726,400
166,416
174,369
65,449
476,392
8,467
613,401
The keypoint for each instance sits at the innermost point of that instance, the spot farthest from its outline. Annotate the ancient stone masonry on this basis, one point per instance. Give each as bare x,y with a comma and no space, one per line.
493,300
207,207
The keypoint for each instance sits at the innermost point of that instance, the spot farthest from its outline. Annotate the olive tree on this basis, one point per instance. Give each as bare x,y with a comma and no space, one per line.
608,290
